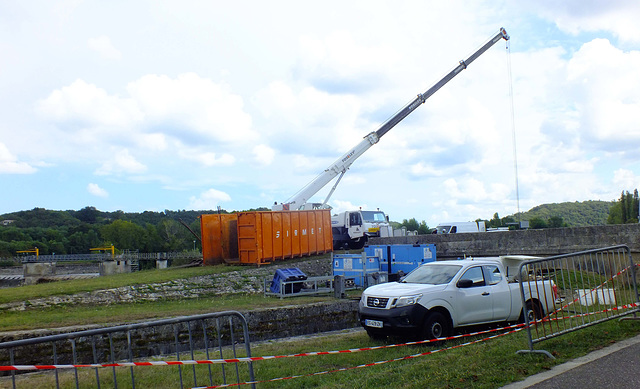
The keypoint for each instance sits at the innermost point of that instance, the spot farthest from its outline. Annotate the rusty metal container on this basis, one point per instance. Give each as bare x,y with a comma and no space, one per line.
219,234
257,238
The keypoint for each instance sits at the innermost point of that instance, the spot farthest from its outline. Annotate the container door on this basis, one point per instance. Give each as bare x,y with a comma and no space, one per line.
327,235
295,234
313,229
286,235
304,233
248,237
219,238
266,236
276,234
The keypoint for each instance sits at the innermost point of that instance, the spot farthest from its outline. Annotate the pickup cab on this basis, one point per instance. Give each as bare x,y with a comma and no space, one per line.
438,297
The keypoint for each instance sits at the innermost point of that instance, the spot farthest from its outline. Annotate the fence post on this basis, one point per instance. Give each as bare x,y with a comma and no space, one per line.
338,286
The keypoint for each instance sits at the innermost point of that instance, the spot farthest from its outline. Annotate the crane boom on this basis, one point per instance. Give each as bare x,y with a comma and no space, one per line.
342,164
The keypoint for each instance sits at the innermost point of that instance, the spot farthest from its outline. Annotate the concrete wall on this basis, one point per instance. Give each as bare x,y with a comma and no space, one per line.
107,268
544,242
37,270
264,324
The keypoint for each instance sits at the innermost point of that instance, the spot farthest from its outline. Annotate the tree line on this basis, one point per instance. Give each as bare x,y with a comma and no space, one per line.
76,232
568,214
626,209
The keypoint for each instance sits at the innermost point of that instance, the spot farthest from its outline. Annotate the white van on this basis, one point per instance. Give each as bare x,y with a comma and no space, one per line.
459,227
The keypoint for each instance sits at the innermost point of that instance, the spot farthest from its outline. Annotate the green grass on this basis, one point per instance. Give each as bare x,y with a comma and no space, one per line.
63,316
488,364
107,282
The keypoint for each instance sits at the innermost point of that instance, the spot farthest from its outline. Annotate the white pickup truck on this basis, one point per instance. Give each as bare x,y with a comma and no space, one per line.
439,296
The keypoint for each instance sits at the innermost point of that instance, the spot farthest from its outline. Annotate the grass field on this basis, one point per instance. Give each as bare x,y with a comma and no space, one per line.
487,364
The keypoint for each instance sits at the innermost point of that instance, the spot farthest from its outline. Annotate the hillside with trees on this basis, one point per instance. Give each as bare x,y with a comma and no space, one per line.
572,214
75,232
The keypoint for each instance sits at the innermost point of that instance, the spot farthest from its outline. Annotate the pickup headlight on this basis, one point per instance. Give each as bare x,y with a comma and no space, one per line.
403,301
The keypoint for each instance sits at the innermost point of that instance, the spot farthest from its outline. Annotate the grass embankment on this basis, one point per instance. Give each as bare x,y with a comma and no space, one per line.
71,315
489,364
107,282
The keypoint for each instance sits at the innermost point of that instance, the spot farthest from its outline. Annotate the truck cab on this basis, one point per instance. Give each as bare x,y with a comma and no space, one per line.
352,229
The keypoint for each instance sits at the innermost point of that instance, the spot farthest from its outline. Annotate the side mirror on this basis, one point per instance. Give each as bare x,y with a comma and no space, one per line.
464,283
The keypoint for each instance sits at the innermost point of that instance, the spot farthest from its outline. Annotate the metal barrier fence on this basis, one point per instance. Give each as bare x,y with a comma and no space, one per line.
572,291
208,336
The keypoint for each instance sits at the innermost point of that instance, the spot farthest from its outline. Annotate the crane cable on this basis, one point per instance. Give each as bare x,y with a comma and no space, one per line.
513,128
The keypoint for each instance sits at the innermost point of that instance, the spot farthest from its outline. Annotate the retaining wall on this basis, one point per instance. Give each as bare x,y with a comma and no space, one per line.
543,242
264,324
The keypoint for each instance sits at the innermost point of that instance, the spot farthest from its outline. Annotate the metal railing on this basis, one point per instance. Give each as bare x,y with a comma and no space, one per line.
107,257
573,291
306,287
219,335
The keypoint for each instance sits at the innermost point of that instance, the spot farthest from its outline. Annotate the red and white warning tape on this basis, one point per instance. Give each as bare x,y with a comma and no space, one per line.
376,363
245,359
517,327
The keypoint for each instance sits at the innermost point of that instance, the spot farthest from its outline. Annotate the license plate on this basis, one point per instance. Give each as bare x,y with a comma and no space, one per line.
373,323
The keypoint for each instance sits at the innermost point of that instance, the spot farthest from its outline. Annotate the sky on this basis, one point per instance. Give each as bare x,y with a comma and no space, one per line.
171,105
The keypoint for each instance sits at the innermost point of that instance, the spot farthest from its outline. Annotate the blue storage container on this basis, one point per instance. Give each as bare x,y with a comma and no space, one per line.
288,275
357,267
404,257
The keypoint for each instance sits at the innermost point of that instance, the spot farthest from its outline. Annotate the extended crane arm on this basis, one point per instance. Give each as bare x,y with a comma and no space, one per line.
339,167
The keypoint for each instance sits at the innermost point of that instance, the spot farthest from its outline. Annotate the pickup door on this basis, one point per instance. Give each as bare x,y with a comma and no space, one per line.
487,298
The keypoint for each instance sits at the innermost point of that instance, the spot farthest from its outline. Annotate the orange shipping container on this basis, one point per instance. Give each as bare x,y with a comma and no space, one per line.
263,237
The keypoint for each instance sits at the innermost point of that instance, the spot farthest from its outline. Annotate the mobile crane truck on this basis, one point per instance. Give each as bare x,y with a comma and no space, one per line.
348,227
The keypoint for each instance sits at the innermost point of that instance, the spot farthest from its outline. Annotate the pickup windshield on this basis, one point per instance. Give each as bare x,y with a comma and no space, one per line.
432,274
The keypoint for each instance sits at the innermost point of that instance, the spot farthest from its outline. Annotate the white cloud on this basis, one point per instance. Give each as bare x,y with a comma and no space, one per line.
96,190
207,158
263,154
103,46
338,62
625,179
257,105
604,80
88,105
338,206
306,119
208,199
9,163
576,16
122,162
188,109
190,105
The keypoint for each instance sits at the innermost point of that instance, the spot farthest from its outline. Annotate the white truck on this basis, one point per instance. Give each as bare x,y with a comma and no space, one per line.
352,229
460,227
438,297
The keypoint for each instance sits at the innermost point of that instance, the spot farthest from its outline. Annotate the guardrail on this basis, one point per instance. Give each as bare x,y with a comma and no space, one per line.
213,335
588,288
99,257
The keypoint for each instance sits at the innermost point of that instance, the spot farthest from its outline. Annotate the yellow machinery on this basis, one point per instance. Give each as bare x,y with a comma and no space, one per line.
35,251
112,249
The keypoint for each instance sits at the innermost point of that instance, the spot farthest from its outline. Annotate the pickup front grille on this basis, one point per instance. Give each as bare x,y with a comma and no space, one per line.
377,302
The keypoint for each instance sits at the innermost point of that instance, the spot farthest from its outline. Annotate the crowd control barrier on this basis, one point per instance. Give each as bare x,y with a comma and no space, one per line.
577,290
207,336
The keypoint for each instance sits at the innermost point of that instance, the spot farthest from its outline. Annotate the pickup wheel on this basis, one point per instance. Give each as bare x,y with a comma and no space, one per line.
533,310
436,326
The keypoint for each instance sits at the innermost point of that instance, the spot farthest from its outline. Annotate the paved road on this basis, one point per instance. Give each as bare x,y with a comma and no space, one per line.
616,366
